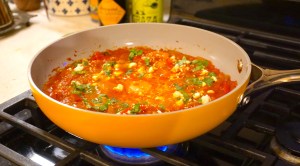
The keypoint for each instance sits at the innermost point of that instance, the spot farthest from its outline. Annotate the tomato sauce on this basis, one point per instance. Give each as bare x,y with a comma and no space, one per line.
138,80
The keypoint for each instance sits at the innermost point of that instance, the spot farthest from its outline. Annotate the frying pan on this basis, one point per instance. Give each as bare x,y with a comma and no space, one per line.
151,130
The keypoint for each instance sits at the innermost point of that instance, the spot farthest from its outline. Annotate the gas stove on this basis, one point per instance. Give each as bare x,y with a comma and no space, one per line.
263,132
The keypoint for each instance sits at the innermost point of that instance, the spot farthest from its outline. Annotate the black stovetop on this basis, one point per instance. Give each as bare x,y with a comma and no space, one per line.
27,137
275,16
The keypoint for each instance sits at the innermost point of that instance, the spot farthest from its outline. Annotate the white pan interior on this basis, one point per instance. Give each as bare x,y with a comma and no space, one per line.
224,53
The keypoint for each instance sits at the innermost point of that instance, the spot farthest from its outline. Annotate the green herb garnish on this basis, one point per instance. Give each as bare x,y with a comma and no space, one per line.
79,72
211,74
182,61
209,81
86,103
134,52
177,87
129,71
161,107
101,108
194,81
79,88
135,109
199,64
147,61
181,89
107,67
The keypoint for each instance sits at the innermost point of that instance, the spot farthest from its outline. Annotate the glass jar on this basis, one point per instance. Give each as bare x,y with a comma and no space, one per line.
6,17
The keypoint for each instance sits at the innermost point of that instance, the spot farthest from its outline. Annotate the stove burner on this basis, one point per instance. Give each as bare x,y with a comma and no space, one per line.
133,156
287,142
288,135
283,153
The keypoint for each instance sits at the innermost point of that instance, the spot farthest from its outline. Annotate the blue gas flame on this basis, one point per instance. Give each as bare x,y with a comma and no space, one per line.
131,152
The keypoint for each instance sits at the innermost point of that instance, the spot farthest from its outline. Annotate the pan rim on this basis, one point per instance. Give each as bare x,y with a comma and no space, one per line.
239,86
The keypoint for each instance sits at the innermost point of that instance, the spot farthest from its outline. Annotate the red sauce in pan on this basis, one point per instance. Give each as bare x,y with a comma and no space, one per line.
138,80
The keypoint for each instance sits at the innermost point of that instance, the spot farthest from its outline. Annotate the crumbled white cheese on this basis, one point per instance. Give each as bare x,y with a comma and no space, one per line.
214,78
158,111
179,102
117,73
141,70
205,99
173,59
132,64
95,77
210,91
79,67
159,98
177,94
196,95
187,62
204,72
175,68
150,70
119,87
117,66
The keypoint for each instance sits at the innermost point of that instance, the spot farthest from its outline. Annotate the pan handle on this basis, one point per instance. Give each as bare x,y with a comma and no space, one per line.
262,78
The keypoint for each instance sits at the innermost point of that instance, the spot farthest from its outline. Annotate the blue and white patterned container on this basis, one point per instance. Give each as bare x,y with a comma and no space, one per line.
68,7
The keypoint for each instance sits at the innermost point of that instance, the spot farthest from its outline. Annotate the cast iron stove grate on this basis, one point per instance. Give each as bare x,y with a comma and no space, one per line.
265,49
27,137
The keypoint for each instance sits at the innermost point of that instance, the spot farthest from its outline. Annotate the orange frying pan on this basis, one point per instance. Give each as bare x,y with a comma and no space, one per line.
141,131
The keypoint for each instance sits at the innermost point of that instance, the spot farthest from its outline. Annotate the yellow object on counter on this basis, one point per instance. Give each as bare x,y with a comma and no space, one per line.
147,10
107,11
94,9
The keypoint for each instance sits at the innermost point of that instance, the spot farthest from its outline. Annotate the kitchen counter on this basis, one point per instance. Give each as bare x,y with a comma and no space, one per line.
18,48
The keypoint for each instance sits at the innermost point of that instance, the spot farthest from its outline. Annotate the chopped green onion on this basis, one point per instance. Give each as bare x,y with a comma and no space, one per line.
199,64
185,96
194,81
183,92
212,74
177,87
129,71
107,67
79,88
124,105
112,101
136,109
162,107
209,81
141,75
147,61
86,103
102,95
134,52
85,62
102,107
200,100
78,72
106,53
182,61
